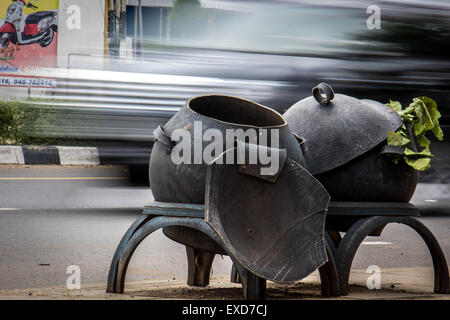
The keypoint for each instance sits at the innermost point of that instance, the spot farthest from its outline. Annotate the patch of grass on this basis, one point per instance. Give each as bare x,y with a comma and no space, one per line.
24,123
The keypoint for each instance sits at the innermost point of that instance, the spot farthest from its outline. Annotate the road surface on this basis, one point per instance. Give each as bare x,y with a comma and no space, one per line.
53,217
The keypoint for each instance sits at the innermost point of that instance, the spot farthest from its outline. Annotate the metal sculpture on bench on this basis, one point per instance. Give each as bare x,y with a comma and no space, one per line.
344,141
271,220
158,215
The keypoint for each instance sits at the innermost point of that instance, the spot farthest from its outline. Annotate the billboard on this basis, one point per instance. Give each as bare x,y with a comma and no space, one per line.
28,42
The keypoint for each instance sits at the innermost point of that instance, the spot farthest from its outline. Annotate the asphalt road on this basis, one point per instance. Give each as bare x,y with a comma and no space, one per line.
55,217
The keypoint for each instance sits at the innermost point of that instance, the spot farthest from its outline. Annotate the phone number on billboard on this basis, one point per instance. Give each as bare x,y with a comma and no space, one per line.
27,82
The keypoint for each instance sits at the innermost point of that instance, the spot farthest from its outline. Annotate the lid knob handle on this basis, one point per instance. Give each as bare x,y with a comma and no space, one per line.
323,93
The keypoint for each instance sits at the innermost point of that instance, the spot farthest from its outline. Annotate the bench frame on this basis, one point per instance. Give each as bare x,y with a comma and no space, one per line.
159,215
356,219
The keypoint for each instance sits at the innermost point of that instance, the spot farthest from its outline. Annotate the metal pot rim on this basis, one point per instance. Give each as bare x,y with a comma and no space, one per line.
276,113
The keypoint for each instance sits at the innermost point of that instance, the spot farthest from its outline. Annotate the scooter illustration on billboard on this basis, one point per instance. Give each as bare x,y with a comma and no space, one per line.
28,42
20,29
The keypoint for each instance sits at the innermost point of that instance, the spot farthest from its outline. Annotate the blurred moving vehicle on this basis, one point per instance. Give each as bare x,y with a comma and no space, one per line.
271,52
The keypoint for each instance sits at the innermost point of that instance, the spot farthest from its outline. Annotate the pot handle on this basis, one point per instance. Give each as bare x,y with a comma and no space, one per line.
301,141
392,150
323,89
162,137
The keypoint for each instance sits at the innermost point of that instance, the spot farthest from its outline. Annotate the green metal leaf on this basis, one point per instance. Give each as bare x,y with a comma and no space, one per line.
419,128
423,141
396,139
410,153
395,105
420,164
423,115
437,131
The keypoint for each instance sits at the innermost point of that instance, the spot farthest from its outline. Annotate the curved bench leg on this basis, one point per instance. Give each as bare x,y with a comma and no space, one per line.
199,266
329,278
137,237
363,227
235,277
254,287
335,238
111,284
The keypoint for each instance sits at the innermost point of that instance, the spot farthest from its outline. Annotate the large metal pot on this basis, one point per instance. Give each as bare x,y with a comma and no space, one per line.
372,177
344,144
185,183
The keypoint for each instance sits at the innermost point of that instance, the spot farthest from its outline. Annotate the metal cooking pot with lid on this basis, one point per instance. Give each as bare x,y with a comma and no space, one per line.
344,144
337,128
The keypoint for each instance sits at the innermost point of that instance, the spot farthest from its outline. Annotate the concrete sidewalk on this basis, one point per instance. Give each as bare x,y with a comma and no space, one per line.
397,284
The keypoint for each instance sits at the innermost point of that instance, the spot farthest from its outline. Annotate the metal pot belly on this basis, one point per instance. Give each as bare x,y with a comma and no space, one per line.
372,177
185,183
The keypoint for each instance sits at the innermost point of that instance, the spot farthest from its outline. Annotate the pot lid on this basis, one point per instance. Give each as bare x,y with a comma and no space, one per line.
336,128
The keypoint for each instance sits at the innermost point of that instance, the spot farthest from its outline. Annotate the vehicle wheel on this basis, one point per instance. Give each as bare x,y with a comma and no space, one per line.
47,39
138,175
4,40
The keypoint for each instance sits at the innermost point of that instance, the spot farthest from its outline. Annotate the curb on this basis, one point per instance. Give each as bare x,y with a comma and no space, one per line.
57,155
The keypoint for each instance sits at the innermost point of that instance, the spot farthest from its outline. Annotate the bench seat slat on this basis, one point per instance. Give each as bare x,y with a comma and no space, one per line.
343,208
175,209
336,208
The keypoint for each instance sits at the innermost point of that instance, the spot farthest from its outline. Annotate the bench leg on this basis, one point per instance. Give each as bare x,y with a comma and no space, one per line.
111,286
335,238
235,277
254,287
329,278
199,266
142,228
362,228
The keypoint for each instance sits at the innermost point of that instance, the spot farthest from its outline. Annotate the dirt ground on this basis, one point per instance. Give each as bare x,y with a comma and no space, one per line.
411,283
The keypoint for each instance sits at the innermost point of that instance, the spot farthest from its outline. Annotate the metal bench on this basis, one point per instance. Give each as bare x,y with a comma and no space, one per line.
361,219
158,215
356,219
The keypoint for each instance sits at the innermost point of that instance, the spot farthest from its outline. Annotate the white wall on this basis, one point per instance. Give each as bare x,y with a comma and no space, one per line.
89,38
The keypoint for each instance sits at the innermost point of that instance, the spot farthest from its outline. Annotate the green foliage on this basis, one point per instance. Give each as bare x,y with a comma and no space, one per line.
21,121
421,116
11,122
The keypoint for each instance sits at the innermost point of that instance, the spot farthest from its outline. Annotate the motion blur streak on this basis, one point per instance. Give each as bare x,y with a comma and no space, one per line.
271,52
